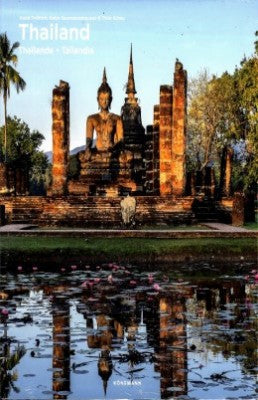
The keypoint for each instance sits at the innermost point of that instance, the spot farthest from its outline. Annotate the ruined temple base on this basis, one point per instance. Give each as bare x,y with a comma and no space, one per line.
96,211
86,187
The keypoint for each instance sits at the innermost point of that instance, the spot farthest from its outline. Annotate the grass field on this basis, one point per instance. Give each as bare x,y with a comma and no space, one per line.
129,246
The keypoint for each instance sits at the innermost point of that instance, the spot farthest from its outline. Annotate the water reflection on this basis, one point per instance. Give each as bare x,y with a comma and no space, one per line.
129,336
61,345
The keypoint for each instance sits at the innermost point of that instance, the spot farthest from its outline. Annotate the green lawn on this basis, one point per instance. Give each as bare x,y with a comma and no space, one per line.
128,246
251,226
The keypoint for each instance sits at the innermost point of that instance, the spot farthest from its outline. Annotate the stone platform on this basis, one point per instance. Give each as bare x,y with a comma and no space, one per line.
95,211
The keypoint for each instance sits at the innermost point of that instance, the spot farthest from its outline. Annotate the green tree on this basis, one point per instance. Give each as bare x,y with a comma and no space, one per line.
222,112
246,83
8,75
23,150
211,117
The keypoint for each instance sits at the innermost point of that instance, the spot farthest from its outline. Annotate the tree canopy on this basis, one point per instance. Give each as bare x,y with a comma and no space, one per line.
23,149
223,112
8,75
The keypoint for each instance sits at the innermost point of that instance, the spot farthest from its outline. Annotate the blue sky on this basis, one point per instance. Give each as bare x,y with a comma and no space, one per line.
212,34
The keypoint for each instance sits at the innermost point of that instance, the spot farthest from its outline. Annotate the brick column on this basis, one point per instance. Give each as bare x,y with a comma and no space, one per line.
228,172
3,179
165,140
148,155
61,137
179,130
238,210
156,115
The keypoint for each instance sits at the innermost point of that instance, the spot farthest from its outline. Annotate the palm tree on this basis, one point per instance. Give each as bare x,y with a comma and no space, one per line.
8,75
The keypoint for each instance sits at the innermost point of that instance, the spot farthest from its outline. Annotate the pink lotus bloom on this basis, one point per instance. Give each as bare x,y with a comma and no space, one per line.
86,266
84,284
247,277
97,280
63,269
150,278
4,311
132,282
110,278
73,267
34,268
92,299
19,268
156,287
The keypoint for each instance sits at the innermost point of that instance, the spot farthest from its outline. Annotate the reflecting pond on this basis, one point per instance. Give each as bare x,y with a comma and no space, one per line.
118,332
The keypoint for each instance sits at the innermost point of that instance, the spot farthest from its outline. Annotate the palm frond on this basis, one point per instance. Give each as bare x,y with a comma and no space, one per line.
14,46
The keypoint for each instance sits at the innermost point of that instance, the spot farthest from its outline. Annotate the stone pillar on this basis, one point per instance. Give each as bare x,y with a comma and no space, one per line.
152,160
228,172
3,179
149,167
156,120
61,138
165,140
179,130
156,115
238,210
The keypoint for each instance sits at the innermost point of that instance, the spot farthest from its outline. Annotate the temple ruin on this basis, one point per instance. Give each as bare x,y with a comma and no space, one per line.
130,166
121,159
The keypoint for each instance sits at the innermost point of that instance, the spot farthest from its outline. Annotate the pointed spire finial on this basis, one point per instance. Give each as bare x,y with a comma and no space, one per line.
104,87
104,79
130,87
105,383
131,54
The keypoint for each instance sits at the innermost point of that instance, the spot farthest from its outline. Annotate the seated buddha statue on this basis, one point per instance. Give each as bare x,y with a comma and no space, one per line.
108,153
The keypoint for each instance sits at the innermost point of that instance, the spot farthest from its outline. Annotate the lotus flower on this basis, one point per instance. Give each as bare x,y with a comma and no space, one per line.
4,312
19,268
34,268
156,287
73,267
110,279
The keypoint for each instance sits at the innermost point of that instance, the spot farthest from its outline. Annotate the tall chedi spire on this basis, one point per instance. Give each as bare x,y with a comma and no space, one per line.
133,129
130,88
